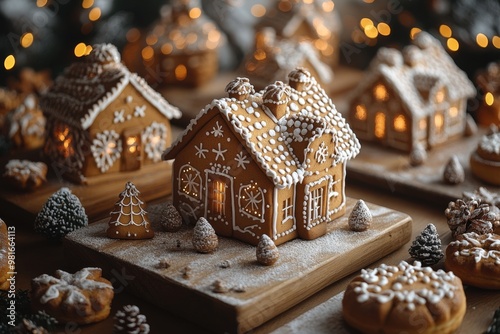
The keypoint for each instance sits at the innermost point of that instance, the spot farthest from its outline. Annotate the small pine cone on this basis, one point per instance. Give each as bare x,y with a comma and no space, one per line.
426,247
170,220
267,253
470,216
128,320
204,238
27,326
418,155
360,218
453,171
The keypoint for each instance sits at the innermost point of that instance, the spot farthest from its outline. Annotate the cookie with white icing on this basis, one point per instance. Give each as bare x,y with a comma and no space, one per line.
485,160
83,297
404,299
475,258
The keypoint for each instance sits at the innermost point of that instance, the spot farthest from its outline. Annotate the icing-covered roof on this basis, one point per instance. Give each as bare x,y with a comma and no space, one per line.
423,65
310,114
86,88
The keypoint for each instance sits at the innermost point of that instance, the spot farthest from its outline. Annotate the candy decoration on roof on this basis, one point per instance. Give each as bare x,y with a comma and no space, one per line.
61,214
129,220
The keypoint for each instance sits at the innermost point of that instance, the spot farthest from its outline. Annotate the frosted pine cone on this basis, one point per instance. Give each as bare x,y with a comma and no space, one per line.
204,238
171,220
267,253
470,216
426,247
360,218
130,321
29,327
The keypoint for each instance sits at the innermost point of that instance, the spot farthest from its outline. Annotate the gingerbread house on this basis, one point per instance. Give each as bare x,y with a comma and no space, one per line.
101,118
273,58
315,21
414,97
183,45
270,162
489,83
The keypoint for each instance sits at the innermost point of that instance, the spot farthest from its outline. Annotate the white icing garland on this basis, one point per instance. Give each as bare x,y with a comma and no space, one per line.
106,149
483,247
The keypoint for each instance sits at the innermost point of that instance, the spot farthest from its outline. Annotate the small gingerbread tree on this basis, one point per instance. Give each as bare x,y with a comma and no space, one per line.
426,247
129,220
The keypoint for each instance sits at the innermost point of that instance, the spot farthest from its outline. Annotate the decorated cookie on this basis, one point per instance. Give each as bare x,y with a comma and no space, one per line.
475,258
24,174
83,297
404,299
485,160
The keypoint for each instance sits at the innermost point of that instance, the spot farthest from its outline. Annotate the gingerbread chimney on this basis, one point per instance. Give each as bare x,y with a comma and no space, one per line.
239,88
276,97
299,79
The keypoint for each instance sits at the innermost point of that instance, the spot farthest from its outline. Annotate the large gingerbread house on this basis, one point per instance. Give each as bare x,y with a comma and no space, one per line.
273,58
417,96
101,118
271,162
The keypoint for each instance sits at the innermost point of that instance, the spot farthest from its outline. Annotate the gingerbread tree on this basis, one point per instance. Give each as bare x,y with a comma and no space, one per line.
129,220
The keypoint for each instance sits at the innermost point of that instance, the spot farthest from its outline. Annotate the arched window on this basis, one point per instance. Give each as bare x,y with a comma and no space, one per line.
190,182
251,201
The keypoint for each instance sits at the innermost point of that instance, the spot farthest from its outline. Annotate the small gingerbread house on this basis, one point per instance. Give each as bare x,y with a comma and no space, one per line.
273,58
315,21
271,162
184,44
103,119
489,83
417,96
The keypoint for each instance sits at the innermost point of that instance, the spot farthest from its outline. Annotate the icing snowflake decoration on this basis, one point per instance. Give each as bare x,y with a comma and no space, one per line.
106,149
119,116
242,160
154,138
219,152
140,111
200,151
251,201
217,130
321,154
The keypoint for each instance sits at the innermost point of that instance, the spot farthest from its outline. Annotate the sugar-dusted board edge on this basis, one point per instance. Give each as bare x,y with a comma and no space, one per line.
97,197
390,169
304,268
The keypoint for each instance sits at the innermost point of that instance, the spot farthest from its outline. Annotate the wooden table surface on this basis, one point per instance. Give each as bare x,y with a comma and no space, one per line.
35,256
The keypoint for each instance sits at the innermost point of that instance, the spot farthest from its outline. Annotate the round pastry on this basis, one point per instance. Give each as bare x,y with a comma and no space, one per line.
485,161
24,174
475,258
404,299
4,263
83,298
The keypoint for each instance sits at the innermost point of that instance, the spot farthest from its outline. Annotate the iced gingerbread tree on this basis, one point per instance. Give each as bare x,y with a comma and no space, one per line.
129,220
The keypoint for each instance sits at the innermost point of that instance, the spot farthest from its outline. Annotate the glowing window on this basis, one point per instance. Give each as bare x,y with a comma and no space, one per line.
453,112
440,95
64,141
400,123
380,93
439,122
380,125
218,197
180,72
360,112
287,210
422,124
251,201
190,182
315,205
489,99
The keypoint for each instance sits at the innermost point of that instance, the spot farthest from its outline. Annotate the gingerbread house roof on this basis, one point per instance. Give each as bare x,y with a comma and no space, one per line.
311,14
422,67
181,32
86,88
310,114
282,56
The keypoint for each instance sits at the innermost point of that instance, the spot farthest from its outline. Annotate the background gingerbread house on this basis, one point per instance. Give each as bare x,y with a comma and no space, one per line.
103,119
489,84
271,162
417,96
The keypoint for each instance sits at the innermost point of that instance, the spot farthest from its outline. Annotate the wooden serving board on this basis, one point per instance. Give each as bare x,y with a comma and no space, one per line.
97,197
255,293
390,169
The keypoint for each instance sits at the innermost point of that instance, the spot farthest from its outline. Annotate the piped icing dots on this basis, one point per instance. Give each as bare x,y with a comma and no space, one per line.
410,284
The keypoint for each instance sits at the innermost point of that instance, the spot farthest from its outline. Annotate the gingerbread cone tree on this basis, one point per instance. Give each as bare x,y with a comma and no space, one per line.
129,220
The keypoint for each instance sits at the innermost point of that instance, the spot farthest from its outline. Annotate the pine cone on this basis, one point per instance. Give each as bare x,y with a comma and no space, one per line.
130,321
28,327
470,216
171,219
426,247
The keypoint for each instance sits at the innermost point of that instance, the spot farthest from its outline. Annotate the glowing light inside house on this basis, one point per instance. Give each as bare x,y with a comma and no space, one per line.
258,10
380,125
9,62
439,122
80,49
64,142
452,44
445,31
132,144
259,54
384,29
400,123
87,3
180,72
360,112
453,111
95,14
110,148
422,124
26,40
489,99
414,31
440,94
482,40
380,92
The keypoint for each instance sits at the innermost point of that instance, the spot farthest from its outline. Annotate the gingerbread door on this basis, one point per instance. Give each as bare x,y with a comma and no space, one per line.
219,206
132,147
